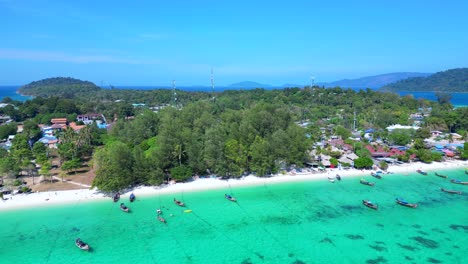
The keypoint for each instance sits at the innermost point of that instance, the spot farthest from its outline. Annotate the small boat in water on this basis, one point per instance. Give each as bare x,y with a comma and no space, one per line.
370,204
405,203
124,208
230,198
81,245
331,179
376,175
338,177
161,219
450,191
421,172
458,182
116,197
179,203
362,181
132,197
440,175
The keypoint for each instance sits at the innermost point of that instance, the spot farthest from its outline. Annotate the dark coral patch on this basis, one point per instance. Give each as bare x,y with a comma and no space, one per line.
456,227
354,237
326,240
438,230
416,226
378,248
423,233
408,258
378,260
380,242
426,242
247,261
380,225
407,247
291,255
433,260
298,262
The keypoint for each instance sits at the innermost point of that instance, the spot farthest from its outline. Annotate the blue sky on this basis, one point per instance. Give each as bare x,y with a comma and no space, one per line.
273,42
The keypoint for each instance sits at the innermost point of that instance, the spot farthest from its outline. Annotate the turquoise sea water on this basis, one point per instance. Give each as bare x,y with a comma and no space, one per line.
300,222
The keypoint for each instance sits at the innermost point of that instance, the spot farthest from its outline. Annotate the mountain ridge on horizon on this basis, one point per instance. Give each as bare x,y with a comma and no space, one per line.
374,81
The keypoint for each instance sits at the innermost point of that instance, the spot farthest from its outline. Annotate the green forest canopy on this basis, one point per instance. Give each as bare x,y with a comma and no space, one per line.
454,80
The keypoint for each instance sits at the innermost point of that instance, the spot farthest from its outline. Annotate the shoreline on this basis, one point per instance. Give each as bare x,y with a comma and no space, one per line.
23,201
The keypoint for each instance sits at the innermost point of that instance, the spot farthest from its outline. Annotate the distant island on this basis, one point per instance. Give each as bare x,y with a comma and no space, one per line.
249,85
454,80
65,87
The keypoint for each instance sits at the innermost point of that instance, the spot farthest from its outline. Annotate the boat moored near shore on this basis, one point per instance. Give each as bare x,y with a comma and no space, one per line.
362,181
451,191
441,175
421,172
124,208
405,203
458,182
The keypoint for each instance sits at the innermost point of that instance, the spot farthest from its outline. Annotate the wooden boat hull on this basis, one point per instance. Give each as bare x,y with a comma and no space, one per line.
370,205
440,175
230,198
124,208
116,197
132,198
376,175
161,219
458,182
367,183
406,204
179,203
450,191
421,172
81,245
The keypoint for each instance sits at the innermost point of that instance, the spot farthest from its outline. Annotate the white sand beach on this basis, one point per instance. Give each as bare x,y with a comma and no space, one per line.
82,195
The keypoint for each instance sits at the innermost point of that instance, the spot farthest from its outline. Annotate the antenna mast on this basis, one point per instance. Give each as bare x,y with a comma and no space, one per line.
212,86
174,94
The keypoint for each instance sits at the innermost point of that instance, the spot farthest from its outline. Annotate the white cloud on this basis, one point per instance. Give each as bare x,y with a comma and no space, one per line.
54,56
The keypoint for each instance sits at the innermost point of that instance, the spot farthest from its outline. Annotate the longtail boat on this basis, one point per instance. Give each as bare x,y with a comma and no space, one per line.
405,203
81,245
376,175
362,181
421,172
179,203
450,191
370,204
458,182
440,175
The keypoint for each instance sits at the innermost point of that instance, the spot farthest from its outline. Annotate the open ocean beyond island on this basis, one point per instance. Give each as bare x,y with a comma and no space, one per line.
299,222
458,99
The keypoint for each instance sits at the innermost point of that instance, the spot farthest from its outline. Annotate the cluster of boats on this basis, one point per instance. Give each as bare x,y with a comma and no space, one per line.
402,202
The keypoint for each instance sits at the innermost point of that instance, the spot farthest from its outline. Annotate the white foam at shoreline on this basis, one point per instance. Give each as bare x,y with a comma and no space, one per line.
75,196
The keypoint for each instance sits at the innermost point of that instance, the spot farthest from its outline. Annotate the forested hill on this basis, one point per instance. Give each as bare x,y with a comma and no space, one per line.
454,80
65,87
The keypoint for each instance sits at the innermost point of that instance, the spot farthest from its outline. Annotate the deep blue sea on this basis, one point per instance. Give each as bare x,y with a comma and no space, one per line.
458,99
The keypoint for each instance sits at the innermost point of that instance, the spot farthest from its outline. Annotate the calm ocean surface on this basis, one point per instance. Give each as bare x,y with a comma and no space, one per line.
301,222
